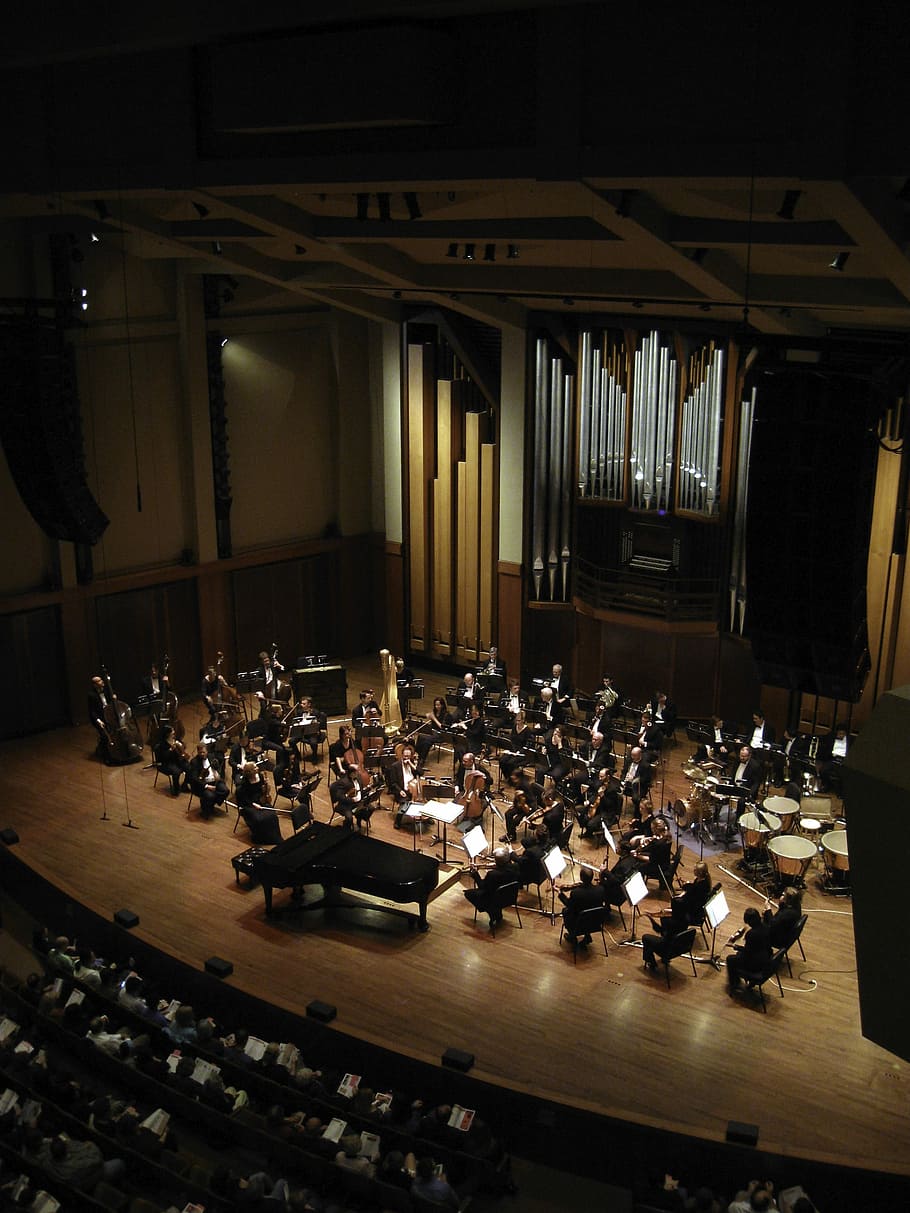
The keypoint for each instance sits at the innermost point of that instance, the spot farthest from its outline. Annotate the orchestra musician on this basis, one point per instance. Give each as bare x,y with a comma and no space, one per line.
746,772
268,671
650,735
213,685
153,684
715,750
608,698
562,691
637,776
755,950
206,779
762,734
788,761
403,781
518,812
241,752
602,806
289,780
516,701
313,724
343,752
171,758
663,713
651,856
440,720
585,896
349,797
473,782
468,693
521,738
686,910
254,802
493,665
471,733
832,750
550,706
97,702
559,756
360,716
483,897
784,919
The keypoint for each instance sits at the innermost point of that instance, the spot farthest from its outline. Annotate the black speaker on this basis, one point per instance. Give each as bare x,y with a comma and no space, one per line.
458,1059
219,967
811,483
741,1133
126,918
9,837
323,1011
41,430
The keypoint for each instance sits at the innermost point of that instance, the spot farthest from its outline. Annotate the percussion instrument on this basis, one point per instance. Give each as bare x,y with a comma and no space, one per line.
784,808
791,855
756,832
810,827
837,858
693,808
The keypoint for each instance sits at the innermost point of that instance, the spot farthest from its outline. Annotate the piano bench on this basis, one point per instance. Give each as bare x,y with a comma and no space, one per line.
245,860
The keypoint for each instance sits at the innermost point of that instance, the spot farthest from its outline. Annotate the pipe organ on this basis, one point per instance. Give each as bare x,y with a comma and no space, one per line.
552,497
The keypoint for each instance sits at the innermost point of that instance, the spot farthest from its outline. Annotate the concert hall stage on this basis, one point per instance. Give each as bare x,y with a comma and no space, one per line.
603,1035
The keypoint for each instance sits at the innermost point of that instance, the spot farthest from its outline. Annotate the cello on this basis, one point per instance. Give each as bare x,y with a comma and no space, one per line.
472,794
124,742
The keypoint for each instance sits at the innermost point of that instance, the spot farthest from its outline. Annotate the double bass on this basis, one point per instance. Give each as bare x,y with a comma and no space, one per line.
170,710
124,742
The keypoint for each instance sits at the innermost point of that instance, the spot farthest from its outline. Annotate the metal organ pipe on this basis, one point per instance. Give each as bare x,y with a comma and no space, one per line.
540,465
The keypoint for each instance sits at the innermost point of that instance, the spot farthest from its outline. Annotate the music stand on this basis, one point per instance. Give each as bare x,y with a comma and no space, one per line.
475,842
636,890
716,910
555,863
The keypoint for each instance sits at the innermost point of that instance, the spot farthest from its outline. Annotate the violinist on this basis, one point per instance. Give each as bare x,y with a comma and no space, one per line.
483,896
668,927
520,810
585,896
754,952
403,782
440,720
171,758
241,753
651,856
206,780
343,753
288,778
268,671
686,908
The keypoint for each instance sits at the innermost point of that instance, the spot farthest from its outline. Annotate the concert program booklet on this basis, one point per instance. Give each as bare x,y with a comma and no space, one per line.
348,1085
382,1101
157,1123
7,1028
9,1099
461,1118
255,1048
369,1146
334,1130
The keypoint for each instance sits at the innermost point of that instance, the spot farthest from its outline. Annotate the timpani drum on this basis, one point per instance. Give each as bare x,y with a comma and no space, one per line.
784,808
837,859
756,832
791,855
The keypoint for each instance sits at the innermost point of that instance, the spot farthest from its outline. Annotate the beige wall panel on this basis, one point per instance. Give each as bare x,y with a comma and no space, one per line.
469,518
417,501
150,286
489,531
158,533
441,549
282,409
360,449
461,556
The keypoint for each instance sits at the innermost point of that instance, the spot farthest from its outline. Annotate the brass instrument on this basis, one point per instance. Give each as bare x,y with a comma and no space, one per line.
608,697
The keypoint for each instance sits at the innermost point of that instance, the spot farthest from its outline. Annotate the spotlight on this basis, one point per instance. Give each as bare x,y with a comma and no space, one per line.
513,252
469,252
788,206
839,262
299,250
95,238
569,301
224,341
698,255
453,250
83,297
410,201
201,211
101,207
363,206
385,211
489,252
216,247
454,295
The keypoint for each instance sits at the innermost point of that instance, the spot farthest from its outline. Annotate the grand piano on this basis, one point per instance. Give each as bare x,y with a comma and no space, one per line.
342,859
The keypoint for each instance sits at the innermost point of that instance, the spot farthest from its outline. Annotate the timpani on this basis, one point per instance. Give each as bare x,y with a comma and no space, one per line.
791,855
755,833
837,859
784,808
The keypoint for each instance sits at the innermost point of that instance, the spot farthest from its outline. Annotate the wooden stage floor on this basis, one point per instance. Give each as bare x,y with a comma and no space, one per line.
604,1034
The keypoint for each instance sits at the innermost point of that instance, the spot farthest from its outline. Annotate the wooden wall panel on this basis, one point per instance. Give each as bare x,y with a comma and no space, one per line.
510,598
487,551
443,532
393,576
34,674
420,359
137,627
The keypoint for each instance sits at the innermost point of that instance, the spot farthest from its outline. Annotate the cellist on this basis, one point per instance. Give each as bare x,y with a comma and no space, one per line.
474,783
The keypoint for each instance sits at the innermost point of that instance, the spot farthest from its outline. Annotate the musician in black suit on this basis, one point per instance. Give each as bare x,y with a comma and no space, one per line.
206,779
268,671
793,756
637,776
762,733
784,919
254,802
550,706
663,713
312,723
477,792
716,749
494,665
471,733
240,753
96,703
561,687
651,856
401,778
468,693
608,698
351,799
484,896
602,805
559,756
650,735
746,772
153,684
359,714
171,758
585,896
754,952
440,720
832,750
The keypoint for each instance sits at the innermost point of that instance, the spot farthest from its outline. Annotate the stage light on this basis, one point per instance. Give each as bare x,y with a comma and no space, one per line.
299,250
385,208
95,238
489,252
363,206
569,301
224,341
788,206
216,247
410,201
453,250
201,211
839,262
513,252
469,252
